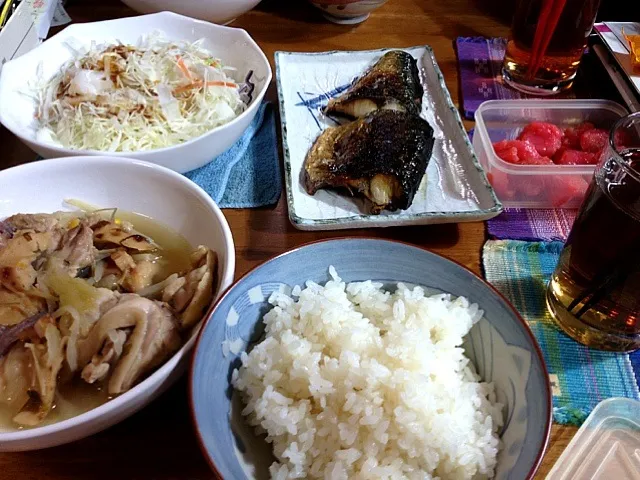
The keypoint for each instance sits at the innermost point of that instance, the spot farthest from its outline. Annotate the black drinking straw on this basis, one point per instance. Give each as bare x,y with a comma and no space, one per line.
595,294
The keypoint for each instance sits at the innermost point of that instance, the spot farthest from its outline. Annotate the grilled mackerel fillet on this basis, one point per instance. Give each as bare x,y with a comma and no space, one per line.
393,83
382,156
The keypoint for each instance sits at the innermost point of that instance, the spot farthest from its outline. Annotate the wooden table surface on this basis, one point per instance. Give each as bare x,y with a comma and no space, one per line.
159,441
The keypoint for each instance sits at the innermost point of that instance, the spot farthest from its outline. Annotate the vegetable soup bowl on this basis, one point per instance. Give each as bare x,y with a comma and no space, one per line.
233,46
132,185
501,346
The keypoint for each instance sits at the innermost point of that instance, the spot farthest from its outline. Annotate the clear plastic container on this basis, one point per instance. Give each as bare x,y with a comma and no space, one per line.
607,446
537,186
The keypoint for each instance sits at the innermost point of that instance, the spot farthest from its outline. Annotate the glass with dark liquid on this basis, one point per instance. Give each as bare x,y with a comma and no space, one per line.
548,38
594,294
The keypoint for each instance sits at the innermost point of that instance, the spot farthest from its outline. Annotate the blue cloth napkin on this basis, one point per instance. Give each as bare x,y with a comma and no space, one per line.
248,174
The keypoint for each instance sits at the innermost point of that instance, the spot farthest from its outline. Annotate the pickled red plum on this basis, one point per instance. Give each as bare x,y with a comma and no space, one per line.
572,135
594,140
569,156
542,143
519,152
507,151
545,137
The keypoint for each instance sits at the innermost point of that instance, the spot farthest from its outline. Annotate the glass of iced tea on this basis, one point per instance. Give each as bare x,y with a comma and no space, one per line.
594,293
548,38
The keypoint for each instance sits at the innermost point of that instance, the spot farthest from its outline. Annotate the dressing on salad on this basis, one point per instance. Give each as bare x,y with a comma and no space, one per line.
156,94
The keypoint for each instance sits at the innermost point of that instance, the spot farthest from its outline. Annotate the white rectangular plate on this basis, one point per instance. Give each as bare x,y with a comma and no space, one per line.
455,188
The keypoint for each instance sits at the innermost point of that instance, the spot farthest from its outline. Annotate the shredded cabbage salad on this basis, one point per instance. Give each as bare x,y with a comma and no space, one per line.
121,98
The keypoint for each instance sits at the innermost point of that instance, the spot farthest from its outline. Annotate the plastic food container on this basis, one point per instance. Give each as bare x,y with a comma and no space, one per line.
607,446
537,186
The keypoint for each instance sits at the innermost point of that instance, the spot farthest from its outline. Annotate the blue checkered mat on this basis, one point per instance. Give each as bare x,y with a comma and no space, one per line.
580,377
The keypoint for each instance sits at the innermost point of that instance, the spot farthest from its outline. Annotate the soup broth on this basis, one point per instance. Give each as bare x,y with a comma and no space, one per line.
74,396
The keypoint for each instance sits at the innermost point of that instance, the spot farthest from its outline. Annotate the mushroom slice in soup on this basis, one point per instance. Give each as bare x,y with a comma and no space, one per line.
47,360
108,234
17,377
115,318
153,339
111,234
141,276
101,362
192,298
139,243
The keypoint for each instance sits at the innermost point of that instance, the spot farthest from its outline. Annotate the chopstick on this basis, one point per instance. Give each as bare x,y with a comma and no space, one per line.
4,14
613,279
552,11
8,9
537,39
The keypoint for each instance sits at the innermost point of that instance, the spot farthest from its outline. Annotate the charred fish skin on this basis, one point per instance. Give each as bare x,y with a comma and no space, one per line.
382,156
393,83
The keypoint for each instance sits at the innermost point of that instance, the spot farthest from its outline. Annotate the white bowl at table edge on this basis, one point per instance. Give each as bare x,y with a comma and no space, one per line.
183,157
140,395
214,11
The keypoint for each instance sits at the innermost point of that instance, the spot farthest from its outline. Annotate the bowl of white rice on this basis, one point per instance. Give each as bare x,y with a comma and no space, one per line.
365,358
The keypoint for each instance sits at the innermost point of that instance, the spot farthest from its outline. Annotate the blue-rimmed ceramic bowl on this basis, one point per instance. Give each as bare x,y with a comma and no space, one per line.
501,346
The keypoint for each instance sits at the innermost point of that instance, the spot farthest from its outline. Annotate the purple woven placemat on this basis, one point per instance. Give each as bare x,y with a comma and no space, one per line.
532,224
480,63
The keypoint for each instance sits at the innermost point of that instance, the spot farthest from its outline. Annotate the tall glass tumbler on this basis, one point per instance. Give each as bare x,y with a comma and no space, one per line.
594,293
548,38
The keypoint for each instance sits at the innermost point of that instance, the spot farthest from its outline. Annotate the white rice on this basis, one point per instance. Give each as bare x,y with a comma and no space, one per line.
353,382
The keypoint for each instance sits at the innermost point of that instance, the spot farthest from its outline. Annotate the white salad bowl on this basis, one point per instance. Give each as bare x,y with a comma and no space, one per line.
233,46
129,185
216,11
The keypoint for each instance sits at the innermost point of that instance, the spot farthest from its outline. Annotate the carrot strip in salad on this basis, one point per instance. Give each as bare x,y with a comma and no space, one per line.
183,67
200,84
222,84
